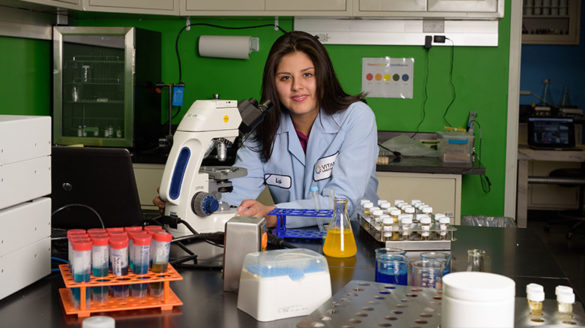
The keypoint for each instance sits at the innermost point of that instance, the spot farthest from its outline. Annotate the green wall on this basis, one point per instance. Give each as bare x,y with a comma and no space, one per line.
480,75
25,87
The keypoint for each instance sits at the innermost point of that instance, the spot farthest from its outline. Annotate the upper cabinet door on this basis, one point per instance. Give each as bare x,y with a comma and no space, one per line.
159,7
464,5
307,5
71,4
392,5
207,7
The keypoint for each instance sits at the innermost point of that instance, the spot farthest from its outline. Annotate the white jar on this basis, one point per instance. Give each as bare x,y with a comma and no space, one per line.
477,299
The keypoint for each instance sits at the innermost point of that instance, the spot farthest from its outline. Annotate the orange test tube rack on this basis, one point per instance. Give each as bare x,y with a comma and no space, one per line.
165,302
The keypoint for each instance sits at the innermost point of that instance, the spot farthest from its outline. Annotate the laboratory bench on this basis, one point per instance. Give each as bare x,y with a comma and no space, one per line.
512,252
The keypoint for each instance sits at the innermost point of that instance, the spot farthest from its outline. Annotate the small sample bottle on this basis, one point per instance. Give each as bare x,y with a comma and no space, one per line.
387,223
444,227
385,207
119,259
535,299
141,257
565,300
395,227
367,207
99,265
405,225
381,201
81,266
425,227
161,245
377,216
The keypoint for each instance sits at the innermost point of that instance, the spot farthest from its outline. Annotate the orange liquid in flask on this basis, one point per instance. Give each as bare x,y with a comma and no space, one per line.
338,244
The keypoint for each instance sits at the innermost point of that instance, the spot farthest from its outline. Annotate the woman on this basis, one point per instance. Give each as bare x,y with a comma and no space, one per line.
314,135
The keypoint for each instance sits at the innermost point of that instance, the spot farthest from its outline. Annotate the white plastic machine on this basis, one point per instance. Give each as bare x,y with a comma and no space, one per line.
192,192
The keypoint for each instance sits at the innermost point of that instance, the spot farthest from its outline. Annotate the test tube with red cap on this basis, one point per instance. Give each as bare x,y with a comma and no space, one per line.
141,258
99,265
152,229
81,265
161,246
119,259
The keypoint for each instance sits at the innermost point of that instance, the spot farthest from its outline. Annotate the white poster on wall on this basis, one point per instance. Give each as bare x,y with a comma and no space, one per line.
387,77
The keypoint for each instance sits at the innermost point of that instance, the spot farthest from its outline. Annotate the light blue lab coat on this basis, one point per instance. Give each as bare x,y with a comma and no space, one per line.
341,156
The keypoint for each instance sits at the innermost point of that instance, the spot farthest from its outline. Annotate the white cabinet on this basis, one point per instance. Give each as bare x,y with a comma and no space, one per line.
159,7
441,191
463,5
266,8
391,5
430,8
70,4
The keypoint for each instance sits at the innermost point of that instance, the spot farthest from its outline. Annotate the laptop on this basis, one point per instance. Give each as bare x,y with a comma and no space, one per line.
551,133
85,180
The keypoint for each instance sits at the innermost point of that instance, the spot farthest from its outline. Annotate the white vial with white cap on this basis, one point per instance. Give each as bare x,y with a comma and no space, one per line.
565,299
535,297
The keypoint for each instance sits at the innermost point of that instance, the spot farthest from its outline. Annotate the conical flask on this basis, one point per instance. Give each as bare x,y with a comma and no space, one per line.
340,241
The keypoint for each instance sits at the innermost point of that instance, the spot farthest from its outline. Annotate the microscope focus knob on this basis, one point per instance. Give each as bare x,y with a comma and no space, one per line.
204,204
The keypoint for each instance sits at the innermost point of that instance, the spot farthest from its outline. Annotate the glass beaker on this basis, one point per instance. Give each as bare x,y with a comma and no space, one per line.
340,241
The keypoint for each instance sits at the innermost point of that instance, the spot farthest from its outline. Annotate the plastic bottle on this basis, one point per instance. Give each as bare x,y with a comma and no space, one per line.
99,265
425,226
443,227
119,259
340,241
405,225
141,257
161,245
565,300
81,266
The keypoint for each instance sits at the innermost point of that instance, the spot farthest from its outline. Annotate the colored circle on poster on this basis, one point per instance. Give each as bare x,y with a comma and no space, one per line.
369,76
405,77
387,77
378,77
396,77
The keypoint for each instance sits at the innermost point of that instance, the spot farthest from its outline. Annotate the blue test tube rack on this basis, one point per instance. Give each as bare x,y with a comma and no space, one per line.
282,213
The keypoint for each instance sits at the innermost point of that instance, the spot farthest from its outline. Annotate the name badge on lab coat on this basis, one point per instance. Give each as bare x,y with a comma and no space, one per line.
324,167
282,181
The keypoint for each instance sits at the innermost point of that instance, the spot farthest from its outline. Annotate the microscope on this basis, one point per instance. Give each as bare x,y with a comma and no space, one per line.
193,192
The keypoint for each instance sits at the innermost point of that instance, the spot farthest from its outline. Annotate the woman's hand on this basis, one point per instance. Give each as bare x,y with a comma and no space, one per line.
251,207
159,202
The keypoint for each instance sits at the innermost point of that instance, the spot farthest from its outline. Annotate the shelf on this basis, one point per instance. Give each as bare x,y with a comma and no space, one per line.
552,29
92,102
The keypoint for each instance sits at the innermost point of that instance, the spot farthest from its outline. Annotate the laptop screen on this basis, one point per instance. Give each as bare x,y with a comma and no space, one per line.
99,178
549,132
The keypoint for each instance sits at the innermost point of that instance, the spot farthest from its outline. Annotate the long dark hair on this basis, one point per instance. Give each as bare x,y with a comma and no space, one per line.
330,95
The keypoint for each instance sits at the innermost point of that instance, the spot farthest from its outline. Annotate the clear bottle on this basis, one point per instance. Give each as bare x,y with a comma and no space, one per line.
386,228
340,241
565,303
395,228
535,299
444,227
425,227
405,226
377,216
367,207
385,207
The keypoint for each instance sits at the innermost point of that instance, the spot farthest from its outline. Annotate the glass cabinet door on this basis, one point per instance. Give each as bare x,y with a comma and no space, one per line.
93,86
